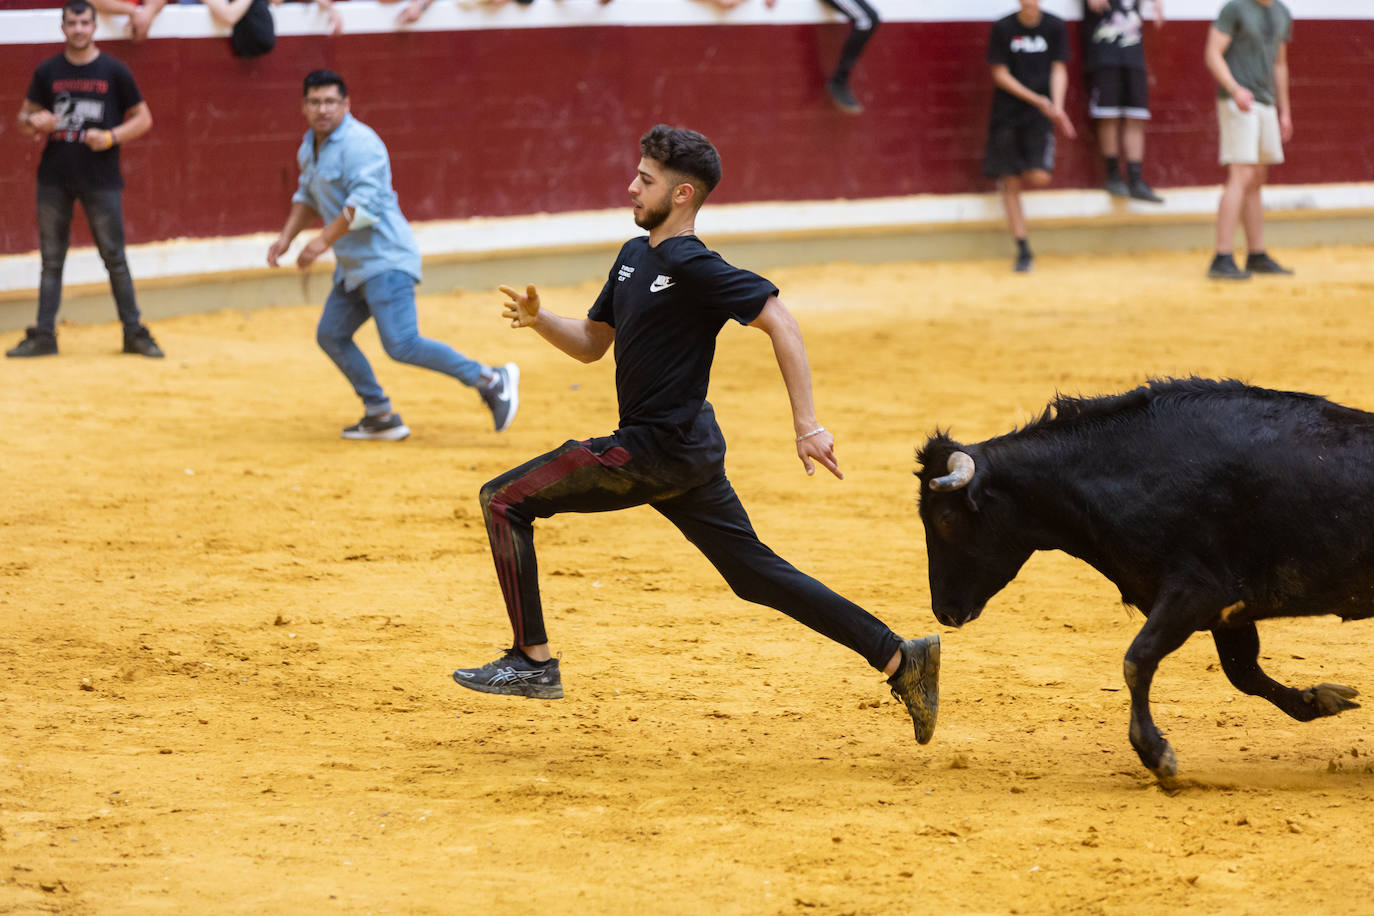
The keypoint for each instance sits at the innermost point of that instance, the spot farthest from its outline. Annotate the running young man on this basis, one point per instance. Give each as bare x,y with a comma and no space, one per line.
665,301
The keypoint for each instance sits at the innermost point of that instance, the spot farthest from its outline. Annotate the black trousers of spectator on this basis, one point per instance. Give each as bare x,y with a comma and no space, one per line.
864,22
600,475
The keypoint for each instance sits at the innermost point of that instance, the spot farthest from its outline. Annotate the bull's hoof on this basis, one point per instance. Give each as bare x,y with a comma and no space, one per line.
1330,699
1166,767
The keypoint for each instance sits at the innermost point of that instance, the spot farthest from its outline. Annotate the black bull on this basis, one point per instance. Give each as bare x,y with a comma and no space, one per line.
1210,505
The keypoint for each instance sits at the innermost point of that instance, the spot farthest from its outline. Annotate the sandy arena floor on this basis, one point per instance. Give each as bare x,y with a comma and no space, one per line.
228,633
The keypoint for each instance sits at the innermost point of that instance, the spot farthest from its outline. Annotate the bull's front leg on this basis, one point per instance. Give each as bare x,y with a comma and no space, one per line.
1167,627
1238,648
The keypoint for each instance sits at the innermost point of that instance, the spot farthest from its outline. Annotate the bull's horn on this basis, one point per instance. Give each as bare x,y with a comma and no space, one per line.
960,473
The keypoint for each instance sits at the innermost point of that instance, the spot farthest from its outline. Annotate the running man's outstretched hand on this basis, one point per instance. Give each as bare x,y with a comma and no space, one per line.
523,308
819,447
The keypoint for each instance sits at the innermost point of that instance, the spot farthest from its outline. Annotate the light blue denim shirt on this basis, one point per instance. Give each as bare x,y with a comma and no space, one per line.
353,170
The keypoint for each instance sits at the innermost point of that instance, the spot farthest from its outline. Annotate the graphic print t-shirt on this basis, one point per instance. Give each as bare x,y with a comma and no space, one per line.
91,96
667,304
1113,38
1029,53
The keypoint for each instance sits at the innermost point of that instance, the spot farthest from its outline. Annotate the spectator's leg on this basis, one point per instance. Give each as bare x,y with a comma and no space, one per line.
1239,179
1252,209
54,235
105,215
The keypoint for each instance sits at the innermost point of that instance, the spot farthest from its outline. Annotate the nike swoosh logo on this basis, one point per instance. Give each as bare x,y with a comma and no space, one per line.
659,285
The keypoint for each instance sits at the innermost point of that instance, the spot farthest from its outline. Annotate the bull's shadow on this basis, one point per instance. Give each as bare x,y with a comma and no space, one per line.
1209,504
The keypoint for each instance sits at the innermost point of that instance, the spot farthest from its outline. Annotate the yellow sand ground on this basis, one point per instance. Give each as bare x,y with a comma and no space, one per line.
228,633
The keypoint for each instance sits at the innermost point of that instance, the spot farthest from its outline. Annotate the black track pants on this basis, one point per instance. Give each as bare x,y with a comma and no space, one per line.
599,475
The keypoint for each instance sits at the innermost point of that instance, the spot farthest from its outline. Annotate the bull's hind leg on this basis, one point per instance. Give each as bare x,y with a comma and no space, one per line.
1238,647
1167,627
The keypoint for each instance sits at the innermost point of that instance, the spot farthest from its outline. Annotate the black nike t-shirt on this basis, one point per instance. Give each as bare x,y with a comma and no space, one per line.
1030,53
90,96
667,304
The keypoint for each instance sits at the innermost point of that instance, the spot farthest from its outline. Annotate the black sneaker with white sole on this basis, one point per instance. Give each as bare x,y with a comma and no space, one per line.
514,674
385,428
502,395
917,683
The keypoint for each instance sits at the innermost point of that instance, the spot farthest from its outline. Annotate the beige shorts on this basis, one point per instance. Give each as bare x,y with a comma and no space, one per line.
1249,137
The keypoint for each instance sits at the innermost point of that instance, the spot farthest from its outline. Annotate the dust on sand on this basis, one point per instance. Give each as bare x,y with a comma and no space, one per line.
229,633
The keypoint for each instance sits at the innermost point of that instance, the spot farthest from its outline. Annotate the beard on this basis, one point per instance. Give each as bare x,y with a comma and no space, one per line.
652,219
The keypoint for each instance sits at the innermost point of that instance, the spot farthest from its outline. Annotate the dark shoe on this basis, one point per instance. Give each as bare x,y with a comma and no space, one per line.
388,428
1259,262
35,343
514,674
141,343
917,683
1117,188
843,98
1142,191
1024,262
1224,268
502,396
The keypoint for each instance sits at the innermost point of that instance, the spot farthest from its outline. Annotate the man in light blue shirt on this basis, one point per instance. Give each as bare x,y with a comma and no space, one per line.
346,182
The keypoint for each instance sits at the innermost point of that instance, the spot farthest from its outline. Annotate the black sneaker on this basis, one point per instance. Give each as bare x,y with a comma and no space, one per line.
844,100
35,343
1224,268
514,674
1259,262
1142,191
1024,262
141,342
386,428
502,396
917,683
1117,187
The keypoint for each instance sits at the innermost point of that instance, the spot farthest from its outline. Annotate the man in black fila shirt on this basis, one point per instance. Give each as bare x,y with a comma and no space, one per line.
1027,52
84,105
664,302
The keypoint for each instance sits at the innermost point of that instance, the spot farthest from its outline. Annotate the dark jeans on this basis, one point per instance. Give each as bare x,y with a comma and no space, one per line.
600,475
105,215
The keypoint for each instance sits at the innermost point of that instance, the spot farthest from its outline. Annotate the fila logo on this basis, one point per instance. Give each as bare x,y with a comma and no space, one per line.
626,272
661,283
1029,44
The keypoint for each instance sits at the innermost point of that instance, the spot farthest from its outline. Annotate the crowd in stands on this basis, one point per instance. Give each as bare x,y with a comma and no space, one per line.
83,121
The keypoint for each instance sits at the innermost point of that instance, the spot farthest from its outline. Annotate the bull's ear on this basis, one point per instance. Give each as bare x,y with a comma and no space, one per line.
973,493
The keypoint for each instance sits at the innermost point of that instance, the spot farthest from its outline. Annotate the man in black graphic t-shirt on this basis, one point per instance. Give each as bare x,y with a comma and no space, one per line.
1027,52
85,105
666,298
1119,91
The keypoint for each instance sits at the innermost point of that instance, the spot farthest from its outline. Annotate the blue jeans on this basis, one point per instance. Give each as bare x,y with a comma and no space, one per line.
105,215
389,299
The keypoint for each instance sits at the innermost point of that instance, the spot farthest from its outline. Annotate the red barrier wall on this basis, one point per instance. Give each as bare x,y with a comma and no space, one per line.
501,122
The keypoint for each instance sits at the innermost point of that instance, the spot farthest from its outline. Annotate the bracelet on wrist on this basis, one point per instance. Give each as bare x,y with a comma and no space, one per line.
815,432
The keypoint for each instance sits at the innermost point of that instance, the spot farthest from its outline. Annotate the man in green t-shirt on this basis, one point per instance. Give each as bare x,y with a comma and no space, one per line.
1247,54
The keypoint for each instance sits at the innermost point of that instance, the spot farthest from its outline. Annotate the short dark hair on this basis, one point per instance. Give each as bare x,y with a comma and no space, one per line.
75,7
317,78
685,152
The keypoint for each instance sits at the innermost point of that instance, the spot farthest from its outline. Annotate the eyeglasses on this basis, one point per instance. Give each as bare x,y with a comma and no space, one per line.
323,103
